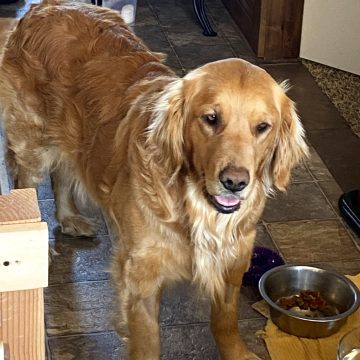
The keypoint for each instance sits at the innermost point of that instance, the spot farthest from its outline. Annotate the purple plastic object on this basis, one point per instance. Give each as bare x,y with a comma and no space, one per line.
262,260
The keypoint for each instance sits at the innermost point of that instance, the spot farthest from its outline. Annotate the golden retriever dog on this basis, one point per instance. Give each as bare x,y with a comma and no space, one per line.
181,166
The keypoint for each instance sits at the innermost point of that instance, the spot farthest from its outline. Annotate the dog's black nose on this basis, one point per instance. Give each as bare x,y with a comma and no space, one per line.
234,178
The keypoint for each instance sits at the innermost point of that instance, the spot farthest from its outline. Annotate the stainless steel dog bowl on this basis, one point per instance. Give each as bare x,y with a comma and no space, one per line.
289,280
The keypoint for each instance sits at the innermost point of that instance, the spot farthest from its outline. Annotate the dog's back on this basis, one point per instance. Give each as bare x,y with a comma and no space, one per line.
66,71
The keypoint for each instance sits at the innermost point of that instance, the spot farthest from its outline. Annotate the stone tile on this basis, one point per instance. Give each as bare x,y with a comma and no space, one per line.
301,174
80,259
337,148
195,341
248,296
225,25
152,36
185,20
47,209
181,39
317,166
263,238
145,16
182,304
243,51
191,342
303,201
172,60
78,308
192,55
44,190
314,107
47,350
332,191
215,4
313,241
99,346
181,25
326,129
355,237
178,342
248,331
155,39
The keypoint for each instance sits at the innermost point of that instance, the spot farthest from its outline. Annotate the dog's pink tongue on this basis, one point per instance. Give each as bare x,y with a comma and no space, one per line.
229,200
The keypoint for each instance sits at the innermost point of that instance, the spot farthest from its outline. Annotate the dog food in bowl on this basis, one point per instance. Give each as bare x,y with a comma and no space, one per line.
334,294
308,303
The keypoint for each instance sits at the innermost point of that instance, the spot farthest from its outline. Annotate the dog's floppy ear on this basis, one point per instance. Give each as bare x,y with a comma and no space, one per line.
162,153
291,147
165,133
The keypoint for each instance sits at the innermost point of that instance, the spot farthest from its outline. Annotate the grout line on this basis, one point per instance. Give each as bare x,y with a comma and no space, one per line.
227,40
303,181
355,239
316,181
222,33
274,241
47,347
79,282
82,334
298,220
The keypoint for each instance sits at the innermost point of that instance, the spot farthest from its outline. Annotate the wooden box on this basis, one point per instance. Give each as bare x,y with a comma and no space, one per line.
23,275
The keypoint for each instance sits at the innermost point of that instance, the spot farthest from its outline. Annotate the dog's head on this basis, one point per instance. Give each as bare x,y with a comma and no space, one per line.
232,127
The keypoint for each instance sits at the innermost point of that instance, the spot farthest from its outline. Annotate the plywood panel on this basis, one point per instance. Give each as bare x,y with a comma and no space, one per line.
23,274
23,256
20,206
22,324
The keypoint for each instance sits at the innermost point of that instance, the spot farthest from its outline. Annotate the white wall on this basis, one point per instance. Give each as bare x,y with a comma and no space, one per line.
331,33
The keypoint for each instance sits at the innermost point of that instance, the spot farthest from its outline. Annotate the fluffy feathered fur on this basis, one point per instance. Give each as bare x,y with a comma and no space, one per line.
86,101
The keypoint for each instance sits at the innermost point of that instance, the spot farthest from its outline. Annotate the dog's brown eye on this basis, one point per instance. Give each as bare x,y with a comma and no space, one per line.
211,119
262,127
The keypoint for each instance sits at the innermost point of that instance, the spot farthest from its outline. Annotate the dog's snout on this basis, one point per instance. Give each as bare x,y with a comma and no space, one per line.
234,178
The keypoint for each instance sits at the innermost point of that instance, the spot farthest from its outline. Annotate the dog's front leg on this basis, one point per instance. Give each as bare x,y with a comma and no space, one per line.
143,326
138,289
224,318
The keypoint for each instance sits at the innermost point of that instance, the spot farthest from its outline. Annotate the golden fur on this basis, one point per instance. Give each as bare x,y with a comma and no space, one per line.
86,101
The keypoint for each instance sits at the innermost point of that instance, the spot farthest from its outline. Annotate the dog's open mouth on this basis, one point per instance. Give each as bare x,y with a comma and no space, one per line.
225,204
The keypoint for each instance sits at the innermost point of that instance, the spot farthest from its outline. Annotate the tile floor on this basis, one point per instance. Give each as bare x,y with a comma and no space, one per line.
303,225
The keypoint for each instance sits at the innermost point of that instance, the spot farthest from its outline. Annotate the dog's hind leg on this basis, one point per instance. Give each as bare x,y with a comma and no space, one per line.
27,167
68,216
27,157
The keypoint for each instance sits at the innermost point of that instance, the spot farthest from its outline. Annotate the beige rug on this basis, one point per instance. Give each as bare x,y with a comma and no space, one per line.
342,88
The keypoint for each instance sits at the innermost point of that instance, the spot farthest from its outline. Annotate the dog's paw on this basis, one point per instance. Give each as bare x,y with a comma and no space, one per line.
77,225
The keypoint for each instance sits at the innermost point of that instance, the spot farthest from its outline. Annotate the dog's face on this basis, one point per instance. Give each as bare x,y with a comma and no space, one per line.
236,130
